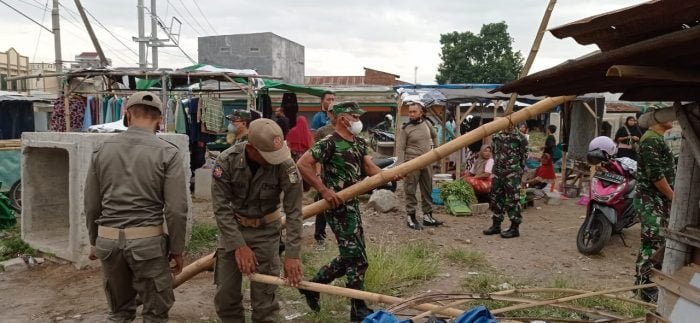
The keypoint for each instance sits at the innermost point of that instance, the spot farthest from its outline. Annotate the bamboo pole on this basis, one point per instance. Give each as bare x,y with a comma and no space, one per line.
573,308
354,293
439,309
533,51
572,291
434,155
569,298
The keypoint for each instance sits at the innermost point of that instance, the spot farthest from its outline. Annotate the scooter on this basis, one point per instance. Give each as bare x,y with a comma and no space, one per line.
377,135
386,163
610,209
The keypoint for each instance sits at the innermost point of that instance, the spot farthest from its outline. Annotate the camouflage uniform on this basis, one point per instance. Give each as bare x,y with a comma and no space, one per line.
342,166
655,163
509,154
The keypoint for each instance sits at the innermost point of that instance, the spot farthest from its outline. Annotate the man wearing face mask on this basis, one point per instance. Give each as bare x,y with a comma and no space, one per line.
655,177
345,160
137,181
239,121
417,138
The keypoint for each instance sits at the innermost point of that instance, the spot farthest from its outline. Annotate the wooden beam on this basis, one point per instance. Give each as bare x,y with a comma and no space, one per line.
658,73
676,286
682,237
690,133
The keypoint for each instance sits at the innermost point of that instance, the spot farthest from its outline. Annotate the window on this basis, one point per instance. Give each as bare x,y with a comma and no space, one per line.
254,49
3,84
225,49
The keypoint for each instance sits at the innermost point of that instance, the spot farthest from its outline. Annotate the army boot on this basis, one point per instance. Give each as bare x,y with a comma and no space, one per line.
359,310
512,232
312,299
412,222
429,220
494,229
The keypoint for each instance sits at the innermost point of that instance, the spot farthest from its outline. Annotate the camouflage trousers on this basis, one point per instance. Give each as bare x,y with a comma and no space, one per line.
346,224
505,198
653,214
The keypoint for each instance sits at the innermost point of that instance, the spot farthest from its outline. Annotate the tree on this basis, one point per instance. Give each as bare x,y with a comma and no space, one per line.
484,58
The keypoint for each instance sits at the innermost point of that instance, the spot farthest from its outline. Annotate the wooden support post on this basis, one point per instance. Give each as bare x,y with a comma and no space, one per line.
684,209
66,105
458,132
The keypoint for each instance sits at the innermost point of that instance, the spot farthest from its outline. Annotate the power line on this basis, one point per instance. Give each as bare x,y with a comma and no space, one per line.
193,18
38,38
183,16
25,16
108,31
205,17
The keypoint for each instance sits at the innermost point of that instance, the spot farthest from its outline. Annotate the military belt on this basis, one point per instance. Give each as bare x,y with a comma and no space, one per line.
258,222
129,233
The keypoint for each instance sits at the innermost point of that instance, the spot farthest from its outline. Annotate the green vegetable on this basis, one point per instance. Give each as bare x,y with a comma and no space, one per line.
458,189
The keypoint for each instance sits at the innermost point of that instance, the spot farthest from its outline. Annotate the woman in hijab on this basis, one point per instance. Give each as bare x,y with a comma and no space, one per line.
299,138
480,175
627,139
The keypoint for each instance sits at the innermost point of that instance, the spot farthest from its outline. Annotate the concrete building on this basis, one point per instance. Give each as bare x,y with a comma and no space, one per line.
372,77
88,60
13,64
266,53
43,84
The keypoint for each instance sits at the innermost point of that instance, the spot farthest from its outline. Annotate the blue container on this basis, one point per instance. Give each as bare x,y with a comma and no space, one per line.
435,195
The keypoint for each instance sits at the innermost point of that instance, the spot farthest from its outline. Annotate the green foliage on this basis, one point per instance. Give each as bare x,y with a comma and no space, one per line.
12,245
393,267
459,189
465,258
203,240
484,58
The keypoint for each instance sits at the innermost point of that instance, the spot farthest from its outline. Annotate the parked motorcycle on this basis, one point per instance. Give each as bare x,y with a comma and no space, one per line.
386,163
610,209
377,134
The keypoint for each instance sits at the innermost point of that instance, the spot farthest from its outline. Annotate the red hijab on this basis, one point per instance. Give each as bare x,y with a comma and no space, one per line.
299,138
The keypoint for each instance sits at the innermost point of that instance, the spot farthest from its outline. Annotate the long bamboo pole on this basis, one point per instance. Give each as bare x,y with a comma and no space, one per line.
311,210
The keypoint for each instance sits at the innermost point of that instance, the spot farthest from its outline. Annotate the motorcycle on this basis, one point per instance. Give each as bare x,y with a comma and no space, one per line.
386,163
378,134
610,209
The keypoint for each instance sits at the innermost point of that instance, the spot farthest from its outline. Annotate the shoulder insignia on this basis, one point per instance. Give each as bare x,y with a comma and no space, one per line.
293,174
218,171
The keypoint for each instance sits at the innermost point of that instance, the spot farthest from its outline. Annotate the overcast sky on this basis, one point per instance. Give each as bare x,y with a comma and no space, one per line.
340,37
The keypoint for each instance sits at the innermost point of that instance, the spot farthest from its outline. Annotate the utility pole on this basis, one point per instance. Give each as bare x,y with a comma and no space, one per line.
95,42
140,39
415,75
55,24
154,35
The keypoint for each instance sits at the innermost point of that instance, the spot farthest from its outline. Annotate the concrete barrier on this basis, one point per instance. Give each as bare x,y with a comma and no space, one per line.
54,169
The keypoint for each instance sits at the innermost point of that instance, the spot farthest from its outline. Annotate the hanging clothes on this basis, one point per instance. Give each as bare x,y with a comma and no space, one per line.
180,118
264,104
212,116
290,107
104,108
109,114
77,113
87,119
118,108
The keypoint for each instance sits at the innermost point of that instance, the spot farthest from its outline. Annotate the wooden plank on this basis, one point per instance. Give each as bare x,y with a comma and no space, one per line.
673,74
676,286
681,237
689,132
654,318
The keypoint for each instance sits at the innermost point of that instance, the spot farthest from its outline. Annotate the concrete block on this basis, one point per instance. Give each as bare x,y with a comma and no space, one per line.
553,198
480,208
54,169
202,183
14,264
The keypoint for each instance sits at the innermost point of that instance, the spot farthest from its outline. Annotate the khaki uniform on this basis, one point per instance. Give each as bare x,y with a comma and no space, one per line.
416,140
238,196
135,182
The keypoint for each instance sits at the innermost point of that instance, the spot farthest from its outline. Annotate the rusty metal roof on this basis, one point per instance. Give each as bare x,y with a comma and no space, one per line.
662,33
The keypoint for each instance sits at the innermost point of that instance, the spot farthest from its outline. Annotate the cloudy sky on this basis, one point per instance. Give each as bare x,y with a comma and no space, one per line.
341,37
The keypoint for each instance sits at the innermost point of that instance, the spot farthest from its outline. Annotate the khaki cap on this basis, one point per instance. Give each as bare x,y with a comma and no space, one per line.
145,98
267,137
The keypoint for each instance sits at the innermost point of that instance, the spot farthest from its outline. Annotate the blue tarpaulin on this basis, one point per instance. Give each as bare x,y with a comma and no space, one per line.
479,314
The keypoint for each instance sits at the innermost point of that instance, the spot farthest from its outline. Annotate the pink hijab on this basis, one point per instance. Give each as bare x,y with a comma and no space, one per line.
299,138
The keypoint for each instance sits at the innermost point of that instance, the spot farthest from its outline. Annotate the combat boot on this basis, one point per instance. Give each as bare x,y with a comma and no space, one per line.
312,299
429,220
512,232
412,222
359,310
494,229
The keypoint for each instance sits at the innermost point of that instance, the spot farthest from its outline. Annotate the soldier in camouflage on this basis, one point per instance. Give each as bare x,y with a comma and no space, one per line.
509,154
345,160
652,202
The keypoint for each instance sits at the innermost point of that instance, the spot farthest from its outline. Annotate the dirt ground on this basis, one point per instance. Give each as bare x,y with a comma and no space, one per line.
545,251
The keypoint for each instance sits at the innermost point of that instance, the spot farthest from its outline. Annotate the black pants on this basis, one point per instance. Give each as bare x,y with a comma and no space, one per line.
320,231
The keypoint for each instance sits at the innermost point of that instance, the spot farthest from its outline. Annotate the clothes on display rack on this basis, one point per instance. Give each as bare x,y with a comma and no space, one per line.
77,114
212,112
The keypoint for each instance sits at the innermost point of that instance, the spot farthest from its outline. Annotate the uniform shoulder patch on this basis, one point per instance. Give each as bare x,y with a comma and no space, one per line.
218,171
293,174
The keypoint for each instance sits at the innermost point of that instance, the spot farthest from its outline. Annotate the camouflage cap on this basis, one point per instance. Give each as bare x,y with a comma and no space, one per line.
348,107
239,115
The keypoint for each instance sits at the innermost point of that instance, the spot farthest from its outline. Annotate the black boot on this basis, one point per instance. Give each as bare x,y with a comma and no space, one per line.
429,220
412,222
359,310
649,294
512,232
312,299
494,229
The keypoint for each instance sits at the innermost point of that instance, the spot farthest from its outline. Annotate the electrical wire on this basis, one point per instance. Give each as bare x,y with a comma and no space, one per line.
110,32
38,38
193,18
205,17
183,16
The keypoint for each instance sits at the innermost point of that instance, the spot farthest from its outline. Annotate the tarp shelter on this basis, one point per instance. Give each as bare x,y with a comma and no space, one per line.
16,114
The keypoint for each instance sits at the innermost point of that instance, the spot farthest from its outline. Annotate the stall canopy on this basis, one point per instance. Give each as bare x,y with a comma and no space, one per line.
463,92
648,52
16,114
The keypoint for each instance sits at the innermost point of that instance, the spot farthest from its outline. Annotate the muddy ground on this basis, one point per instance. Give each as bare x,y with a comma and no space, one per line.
545,252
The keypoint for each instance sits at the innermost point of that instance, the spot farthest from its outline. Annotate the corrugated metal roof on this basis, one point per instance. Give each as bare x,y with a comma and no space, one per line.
680,49
619,107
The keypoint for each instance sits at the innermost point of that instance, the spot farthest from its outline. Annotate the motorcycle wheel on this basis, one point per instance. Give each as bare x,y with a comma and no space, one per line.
15,195
592,241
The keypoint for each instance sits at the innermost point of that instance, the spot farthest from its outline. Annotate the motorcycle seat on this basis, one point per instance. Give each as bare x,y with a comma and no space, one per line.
382,162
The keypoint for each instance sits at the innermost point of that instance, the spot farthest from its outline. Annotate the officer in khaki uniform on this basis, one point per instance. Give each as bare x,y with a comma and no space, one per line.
248,179
417,138
135,182
239,121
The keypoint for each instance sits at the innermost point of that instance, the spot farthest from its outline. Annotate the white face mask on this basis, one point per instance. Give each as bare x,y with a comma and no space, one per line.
355,127
232,127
